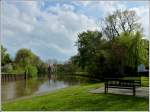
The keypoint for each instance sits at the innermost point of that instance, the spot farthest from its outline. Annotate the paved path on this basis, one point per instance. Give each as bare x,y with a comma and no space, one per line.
140,91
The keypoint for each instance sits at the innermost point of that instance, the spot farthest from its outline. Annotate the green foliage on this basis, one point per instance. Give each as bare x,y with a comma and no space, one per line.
17,70
88,44
5,58
24,57
42,68
131,50
145,81
7,68
60,69
70,67
30,63
145,44
66,69
25,61
100,57
95,54
90,50
31,71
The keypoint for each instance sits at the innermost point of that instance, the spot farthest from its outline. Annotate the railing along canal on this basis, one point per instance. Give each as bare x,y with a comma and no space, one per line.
12,76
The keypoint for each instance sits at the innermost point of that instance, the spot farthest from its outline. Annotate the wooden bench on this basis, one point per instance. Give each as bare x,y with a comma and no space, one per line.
122,83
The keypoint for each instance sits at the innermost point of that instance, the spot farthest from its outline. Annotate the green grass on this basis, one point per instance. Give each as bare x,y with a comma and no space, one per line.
78,98
145,81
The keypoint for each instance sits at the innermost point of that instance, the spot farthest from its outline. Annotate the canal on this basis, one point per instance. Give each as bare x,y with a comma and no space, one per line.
19,88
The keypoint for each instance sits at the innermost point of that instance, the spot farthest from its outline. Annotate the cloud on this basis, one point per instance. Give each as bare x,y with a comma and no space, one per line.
50,34
143,14
101,9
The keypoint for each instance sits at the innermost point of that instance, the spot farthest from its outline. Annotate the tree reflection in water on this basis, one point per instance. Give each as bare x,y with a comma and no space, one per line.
20,88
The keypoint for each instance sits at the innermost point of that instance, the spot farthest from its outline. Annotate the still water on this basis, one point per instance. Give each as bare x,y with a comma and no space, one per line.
17,89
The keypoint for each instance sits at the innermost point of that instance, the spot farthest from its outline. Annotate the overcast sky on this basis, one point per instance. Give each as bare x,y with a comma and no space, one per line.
49,28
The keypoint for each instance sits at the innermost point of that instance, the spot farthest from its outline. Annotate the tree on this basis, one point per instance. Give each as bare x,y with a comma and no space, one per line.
31,71
100,57
92,53
130,50
137,52
24,57
30,63
120,21
5,57
88,43
27,60
124,31
42,68
145,42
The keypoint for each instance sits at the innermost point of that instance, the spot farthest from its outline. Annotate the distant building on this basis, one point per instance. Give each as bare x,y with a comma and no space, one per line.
53,67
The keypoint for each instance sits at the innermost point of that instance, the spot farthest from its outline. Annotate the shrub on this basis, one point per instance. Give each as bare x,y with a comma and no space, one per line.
31,71
7,68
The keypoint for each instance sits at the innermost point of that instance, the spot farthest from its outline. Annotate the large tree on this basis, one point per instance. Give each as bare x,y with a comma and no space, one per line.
120,21
27,61
30,63
124,31
92,53
88,43
130,50
24,57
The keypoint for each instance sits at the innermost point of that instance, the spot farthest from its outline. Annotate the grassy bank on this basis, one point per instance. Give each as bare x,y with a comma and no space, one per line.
145,81
78,98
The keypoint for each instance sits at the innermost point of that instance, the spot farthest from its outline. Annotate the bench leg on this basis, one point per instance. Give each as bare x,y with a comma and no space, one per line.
134,91
105,88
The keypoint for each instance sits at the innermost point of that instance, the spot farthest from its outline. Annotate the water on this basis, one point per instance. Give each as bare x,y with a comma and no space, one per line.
17,89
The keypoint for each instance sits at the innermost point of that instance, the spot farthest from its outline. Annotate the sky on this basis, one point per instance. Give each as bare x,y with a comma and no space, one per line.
50,27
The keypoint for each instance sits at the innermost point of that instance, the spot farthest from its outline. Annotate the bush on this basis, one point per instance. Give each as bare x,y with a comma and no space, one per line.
7,68
18,71
42,68
31,71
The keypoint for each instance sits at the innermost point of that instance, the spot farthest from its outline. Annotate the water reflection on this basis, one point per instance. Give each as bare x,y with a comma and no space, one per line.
17,89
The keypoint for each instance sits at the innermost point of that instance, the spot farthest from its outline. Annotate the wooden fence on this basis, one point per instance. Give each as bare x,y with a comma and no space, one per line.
11,77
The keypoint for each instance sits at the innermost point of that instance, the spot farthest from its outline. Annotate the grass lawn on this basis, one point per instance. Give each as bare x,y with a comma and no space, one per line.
78,98
145,81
